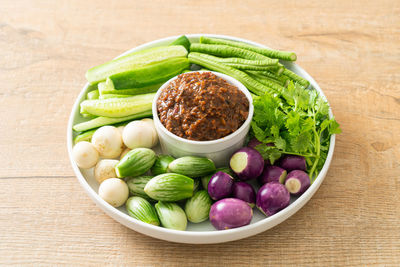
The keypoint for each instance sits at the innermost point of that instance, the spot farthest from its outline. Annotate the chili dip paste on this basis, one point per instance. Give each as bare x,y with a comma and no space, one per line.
202,106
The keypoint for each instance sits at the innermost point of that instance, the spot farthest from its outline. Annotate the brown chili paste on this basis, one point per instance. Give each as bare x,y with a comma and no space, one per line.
201,106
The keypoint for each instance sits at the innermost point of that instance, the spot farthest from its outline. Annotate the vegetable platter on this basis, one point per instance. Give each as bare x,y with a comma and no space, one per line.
171,212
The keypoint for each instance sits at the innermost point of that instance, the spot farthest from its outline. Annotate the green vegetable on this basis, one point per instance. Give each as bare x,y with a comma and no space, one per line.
296,78
171,215
134,60
206,179
198,207
182,40
242,61
101,121
276,85
107,87
297,123
161,164
118,107
169,187
212,63
136,186
150,74
251,67
229,51
196,185
290,56
93,95
192,166
140,209
107,96
136,162
85,136
282,79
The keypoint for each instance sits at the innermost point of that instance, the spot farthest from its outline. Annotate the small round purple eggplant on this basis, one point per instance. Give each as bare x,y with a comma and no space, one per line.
292,162
247,163
272,197
245,192
220,185
230,213
272,174
253,143
297,182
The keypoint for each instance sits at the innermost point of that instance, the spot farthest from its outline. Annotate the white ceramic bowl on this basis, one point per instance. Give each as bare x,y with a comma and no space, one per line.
219,151
202,233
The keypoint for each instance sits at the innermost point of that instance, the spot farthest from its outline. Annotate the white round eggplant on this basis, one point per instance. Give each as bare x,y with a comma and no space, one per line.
108,142
114,191
105,169
139,134
126,150
85,155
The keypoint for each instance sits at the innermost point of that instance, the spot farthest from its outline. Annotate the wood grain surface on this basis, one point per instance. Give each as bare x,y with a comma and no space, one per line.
352,48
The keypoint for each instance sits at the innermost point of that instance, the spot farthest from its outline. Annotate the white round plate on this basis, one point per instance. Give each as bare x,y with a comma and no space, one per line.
201,233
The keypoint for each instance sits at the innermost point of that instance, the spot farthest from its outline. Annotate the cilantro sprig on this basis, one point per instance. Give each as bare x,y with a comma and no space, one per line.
297,123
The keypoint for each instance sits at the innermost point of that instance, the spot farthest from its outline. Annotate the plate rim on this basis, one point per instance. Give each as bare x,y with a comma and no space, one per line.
199,237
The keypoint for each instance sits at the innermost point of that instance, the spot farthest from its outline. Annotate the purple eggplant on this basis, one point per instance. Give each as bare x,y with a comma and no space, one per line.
253,143
220,185
272,174
297,182
247,163
230,213
272,197
292,162
245,192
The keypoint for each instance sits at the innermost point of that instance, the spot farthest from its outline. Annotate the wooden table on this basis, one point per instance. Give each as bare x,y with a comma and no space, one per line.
352,48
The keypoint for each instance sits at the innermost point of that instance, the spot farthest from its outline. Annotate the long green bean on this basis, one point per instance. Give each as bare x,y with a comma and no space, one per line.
251,67
284,55
296,78
211,63
229,51
268,82
236,60
271,75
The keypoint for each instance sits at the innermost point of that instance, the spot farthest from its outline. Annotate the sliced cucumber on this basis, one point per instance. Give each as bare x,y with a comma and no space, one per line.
101,121
119,107
182,40
108,96
133,60
93,95
107,87
150,74
85,136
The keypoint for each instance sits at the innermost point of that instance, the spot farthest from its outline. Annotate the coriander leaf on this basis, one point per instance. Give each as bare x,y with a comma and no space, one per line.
280,143
307,124
321,107
258,132
274,131
324,125
293,123
289,94
301,97
301,142
334,127
269,152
